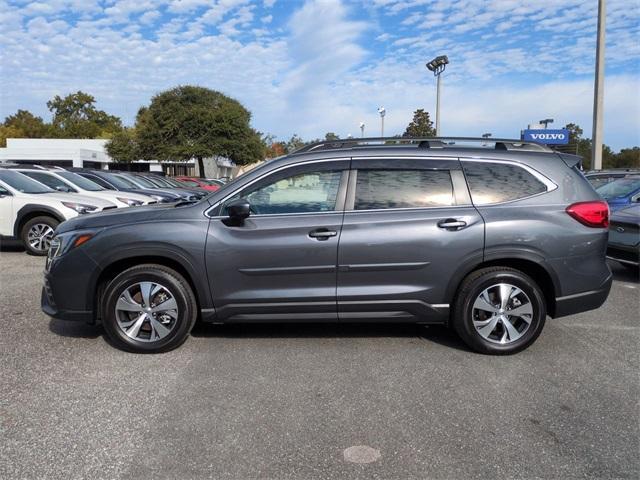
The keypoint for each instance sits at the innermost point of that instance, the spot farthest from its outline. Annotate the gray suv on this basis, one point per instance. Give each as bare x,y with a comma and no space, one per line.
487,239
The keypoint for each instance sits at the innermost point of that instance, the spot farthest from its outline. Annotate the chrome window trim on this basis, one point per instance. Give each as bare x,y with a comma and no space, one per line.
270,172
548,183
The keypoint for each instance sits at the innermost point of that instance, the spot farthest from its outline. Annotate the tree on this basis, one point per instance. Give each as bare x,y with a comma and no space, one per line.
122,147
420,126
30,125
627,158
9,132
331,136
75,116
194,122
294,143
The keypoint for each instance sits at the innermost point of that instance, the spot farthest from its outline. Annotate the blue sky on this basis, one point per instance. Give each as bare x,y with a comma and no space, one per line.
314,66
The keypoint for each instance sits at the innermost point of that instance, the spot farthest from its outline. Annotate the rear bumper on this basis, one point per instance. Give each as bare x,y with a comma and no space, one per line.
583,301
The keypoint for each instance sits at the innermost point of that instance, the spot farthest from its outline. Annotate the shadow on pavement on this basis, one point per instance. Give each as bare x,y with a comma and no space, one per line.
624,274
11,246
436,334
74,329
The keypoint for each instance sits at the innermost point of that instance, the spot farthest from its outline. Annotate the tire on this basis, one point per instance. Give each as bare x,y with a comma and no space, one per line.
494,331
36,234
135,326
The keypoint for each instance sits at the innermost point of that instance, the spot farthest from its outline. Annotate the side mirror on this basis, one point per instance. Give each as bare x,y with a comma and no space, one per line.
238,210
62,188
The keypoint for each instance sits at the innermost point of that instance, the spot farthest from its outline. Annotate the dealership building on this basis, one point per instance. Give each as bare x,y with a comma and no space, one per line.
91,153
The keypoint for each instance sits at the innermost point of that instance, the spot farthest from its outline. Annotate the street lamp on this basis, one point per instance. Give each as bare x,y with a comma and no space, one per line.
437,66
485,136
382,112
362,129
546,122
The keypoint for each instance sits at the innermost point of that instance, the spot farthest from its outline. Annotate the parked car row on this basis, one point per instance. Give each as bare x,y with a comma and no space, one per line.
621,189
35,199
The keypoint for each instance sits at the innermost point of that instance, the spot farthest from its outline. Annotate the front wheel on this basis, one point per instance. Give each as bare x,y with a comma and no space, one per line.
37,233
148,309
499,310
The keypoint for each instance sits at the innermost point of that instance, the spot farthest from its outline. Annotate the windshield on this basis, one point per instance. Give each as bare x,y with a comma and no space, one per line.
157,180
619,188
121,181
22,183
140,181
81,182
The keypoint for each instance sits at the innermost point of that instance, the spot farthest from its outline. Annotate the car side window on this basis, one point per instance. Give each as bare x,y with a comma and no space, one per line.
300,193
491,182
382,189
48,180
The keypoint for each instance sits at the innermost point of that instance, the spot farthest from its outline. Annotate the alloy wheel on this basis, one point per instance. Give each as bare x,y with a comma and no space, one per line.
146,311
502,313
40,236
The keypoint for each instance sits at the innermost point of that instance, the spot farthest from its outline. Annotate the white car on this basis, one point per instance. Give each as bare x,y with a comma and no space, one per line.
31,211
65,181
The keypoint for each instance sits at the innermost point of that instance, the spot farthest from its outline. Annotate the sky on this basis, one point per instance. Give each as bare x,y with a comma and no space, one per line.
315,66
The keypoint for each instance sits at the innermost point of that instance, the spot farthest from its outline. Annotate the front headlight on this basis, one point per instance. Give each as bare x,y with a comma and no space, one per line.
80,207
130,201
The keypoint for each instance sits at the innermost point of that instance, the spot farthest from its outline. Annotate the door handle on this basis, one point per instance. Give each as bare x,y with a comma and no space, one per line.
322,234
452,224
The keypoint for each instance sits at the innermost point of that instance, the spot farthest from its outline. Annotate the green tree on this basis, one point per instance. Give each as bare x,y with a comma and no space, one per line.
122,146
420,126
627,158
9,132
331,136
75,116
30,125
194,122
294,143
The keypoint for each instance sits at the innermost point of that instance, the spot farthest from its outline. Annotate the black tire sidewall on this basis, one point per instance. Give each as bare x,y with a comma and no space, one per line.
464,308
182,294
24,232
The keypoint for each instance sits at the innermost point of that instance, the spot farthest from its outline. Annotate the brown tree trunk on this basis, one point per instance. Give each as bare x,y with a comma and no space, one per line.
201,167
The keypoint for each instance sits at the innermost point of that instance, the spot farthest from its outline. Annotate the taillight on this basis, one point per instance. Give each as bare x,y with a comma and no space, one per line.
592,214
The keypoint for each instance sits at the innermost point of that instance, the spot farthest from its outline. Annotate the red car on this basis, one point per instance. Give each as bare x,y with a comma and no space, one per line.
199,183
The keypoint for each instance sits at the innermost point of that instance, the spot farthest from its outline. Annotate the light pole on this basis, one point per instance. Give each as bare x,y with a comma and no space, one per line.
485,136
382,112
437,66
598,92
362,129
546,122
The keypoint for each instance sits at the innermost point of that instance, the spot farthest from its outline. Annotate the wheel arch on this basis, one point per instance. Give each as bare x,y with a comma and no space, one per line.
119,265
30,211
527,263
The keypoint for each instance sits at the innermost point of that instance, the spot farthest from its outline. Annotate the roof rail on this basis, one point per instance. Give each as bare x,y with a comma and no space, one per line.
426,142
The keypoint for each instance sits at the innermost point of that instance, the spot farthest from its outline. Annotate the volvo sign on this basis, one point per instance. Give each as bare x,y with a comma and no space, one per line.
547,136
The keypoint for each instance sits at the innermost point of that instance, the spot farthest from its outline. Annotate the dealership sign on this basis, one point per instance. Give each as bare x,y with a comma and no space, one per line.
547,136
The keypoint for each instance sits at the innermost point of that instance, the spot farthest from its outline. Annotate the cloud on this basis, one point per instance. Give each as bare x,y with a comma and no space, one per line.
315,66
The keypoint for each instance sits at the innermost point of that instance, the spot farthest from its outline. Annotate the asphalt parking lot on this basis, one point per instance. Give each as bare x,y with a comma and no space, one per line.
286,401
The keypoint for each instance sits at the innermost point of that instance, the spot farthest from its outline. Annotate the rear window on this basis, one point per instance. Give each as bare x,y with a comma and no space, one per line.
491,182
382,189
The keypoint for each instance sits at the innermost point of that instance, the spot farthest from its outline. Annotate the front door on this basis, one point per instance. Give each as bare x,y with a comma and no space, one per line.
408,226
280,264
7,216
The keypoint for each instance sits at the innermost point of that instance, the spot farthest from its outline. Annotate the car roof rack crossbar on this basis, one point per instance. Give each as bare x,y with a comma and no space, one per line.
509,144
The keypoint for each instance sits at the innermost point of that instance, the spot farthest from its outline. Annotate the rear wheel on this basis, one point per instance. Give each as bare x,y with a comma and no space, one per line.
37,233
148,309
499,310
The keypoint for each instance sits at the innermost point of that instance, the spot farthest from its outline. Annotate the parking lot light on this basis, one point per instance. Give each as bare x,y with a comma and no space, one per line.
437,66
546,122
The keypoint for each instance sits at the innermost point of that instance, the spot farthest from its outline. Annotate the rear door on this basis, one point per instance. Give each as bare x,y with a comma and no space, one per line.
408,225
281,263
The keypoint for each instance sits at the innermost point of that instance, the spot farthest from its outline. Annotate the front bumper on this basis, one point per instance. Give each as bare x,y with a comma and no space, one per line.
584,301
48,305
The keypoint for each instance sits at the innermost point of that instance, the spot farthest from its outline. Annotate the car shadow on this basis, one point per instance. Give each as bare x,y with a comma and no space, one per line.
74,329
432,333
11,246
624,274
